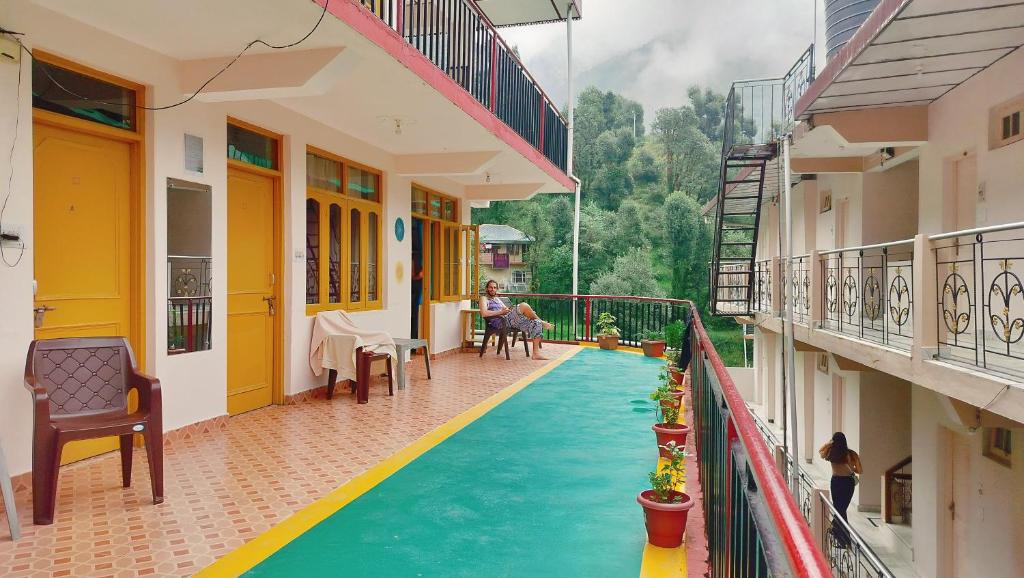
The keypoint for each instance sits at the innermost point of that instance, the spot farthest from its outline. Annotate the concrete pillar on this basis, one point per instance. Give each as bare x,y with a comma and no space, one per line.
777,285
816,297
926,316
771,381
818,516
807,418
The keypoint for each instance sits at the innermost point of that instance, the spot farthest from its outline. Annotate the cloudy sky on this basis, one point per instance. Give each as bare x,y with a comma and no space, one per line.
652,50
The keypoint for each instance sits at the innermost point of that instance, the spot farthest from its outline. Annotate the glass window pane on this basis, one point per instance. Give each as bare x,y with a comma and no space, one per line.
362,184
449,210
435,206
323,173
334,286
434,239
61,90
372,258
312,252
251,147
355,244
419,201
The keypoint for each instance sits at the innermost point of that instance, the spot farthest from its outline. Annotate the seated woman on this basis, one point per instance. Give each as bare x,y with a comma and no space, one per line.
521,317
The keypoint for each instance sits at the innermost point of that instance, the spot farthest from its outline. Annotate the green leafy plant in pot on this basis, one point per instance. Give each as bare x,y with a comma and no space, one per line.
607,332
670,403
665,508
653,343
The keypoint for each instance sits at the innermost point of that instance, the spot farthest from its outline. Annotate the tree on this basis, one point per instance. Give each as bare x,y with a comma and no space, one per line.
632,274
687,247
709,106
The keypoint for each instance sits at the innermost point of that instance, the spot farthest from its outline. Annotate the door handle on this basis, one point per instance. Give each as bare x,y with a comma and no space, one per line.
270,305
39,313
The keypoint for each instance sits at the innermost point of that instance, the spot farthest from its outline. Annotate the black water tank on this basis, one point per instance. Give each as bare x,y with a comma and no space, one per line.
842,19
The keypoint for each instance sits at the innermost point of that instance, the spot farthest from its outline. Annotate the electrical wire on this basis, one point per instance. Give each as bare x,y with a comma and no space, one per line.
199,90
186,100
10,177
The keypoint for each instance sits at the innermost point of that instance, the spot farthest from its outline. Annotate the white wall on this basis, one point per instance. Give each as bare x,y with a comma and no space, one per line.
958,126
885,431
194,385
993,543
842,186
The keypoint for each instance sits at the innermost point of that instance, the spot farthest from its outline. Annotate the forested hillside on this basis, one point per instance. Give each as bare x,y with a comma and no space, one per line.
641,231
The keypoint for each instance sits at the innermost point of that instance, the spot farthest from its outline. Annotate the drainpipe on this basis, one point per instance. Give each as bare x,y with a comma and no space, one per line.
568,165
789,346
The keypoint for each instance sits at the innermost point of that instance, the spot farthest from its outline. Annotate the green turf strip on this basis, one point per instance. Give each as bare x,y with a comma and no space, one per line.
544,484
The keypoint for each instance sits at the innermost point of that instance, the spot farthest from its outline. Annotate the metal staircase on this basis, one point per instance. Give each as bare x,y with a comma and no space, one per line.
748,171
758,114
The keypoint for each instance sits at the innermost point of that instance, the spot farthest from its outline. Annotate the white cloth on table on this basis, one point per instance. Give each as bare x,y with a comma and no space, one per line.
335,340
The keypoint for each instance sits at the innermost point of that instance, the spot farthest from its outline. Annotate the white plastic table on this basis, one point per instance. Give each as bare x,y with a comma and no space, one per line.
403,345
8,493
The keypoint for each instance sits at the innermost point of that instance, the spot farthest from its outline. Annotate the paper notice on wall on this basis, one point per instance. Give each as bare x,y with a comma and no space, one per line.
193,153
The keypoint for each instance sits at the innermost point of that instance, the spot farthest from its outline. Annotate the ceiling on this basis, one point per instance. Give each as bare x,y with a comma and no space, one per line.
520,12
912,52
362,97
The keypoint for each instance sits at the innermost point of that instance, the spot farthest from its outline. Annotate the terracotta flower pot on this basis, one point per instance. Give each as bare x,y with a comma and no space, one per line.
608,341
666,523
676,401
677,376
670,432
654,348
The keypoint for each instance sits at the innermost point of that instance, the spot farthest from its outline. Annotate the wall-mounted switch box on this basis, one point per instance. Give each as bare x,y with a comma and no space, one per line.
10,51
11,236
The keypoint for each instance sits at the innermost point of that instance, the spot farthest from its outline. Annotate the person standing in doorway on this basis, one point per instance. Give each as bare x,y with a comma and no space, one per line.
845,469
417,296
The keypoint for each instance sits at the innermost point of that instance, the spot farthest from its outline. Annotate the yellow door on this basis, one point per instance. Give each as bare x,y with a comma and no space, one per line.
82,243
250,291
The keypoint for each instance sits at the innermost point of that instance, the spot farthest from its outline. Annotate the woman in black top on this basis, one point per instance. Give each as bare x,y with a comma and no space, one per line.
845,467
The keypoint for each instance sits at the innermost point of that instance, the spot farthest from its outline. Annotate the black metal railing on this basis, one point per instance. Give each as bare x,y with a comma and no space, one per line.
867,292
189,303
189,326
798,286
980,297
460,40
763,286
753,525
847,554
575,317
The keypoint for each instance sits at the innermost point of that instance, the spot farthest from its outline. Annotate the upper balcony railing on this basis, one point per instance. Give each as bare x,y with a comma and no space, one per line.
760,111
879,293
460,40
980,297
868,292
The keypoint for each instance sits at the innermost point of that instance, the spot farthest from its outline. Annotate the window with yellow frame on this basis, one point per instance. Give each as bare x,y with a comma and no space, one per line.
344,234
453,247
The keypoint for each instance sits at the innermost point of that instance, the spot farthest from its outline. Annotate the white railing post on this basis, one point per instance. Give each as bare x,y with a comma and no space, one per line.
925,295
816,301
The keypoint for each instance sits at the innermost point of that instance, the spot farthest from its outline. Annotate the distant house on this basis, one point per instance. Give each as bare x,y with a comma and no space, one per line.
503,252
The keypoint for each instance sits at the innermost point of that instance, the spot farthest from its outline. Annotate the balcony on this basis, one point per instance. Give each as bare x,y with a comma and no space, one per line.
331,453
915,308
460,40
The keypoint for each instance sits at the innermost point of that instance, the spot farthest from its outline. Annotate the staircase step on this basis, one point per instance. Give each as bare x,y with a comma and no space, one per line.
743,181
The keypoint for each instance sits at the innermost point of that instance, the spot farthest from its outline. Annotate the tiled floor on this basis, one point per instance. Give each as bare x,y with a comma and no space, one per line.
227,486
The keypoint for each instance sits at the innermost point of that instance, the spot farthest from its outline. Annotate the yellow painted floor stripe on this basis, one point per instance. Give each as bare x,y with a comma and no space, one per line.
263,546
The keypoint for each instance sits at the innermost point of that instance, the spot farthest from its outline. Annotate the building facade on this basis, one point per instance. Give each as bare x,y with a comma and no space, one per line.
209,226
503,251
907,170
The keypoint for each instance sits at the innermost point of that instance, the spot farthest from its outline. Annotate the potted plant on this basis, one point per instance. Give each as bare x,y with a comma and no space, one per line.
653,343
665,508
607,332
675,374
668,430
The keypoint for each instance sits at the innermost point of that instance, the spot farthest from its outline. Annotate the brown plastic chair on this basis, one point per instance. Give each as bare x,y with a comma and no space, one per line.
80,390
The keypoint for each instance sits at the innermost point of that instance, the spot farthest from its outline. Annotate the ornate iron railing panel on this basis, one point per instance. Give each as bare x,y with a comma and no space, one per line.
980,298
847,554
798,285
763,286
867,293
